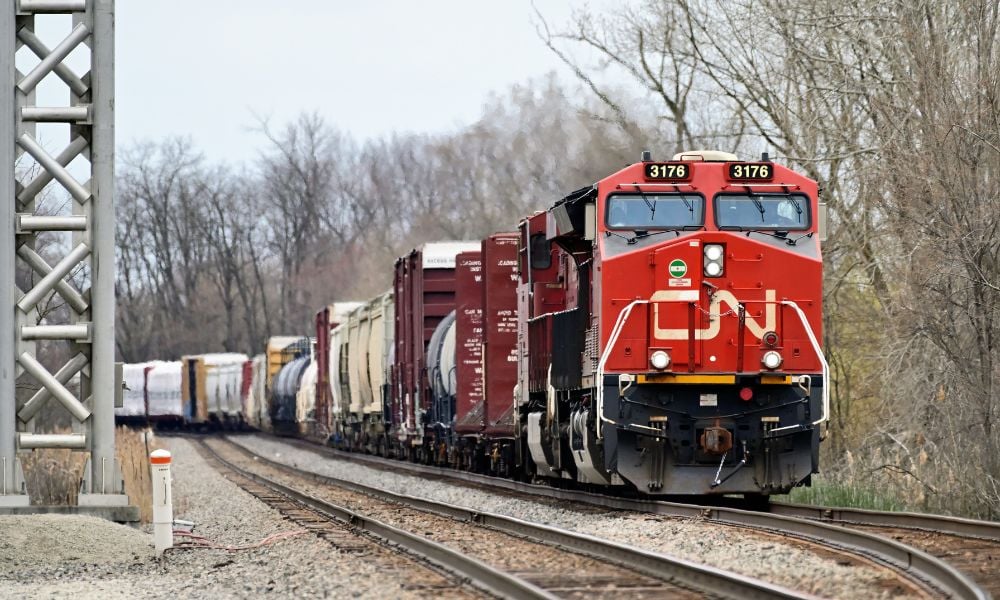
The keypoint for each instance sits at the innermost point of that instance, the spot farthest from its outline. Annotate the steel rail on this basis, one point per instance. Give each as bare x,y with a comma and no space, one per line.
920,565
478,573
957,526
704,578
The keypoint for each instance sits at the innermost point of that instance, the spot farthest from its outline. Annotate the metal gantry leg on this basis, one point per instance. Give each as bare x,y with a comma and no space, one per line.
82,275
8,374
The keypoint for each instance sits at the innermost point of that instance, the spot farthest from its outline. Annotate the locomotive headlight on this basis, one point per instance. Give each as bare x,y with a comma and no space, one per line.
771,360
714,254
660,360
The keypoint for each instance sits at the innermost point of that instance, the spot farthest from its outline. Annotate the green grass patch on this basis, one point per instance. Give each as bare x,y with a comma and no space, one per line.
823,493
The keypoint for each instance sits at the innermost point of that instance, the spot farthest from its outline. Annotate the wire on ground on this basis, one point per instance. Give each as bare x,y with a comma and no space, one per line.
199,541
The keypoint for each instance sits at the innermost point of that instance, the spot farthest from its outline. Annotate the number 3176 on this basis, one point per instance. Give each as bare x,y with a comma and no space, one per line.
667,171
750,171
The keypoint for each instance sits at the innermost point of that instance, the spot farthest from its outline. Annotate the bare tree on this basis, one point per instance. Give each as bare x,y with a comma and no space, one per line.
299,185
893,108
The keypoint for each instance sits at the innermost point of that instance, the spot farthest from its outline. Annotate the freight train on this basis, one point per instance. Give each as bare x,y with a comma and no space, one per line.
658,331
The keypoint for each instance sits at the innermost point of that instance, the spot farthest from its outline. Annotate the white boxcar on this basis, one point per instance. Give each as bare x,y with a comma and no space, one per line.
211,387
257,400
134,394
163,391
223,383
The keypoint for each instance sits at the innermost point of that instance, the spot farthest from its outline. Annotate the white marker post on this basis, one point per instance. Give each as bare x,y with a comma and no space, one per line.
163,510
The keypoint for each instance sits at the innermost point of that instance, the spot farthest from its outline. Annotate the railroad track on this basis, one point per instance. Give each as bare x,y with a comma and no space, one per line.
339,529
522,559
973,547
944,558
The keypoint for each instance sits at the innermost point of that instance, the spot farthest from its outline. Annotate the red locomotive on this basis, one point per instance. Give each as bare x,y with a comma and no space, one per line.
669,325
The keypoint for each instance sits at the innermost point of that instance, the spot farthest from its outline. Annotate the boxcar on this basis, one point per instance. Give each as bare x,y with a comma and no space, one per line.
424,289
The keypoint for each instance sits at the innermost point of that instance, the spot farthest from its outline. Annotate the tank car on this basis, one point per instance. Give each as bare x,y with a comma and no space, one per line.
281,350
669,327
285,395
305,401
282,400
441,376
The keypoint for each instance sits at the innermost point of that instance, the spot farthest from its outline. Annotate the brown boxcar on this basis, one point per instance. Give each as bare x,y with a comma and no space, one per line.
424,287
469,399
499,259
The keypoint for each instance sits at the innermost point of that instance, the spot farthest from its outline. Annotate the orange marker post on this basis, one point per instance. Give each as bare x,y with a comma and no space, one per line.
163,510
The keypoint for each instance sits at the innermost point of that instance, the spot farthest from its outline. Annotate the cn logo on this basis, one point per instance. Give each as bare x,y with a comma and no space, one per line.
677,300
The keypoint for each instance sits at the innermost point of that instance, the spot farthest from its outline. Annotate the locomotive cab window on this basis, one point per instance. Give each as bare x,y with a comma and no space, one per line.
782,212
654,211
541,252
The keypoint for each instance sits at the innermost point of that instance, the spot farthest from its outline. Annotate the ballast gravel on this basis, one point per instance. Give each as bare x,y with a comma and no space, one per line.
764,557
84,557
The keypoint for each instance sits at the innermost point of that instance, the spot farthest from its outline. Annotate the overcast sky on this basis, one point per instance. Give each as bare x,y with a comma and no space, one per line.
204,68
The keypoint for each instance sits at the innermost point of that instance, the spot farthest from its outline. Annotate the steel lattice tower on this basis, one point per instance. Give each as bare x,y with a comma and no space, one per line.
82,276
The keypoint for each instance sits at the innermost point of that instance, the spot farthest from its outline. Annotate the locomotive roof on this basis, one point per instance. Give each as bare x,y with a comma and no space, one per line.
584,193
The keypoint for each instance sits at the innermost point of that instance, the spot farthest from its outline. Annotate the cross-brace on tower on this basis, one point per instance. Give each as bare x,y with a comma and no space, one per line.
83,278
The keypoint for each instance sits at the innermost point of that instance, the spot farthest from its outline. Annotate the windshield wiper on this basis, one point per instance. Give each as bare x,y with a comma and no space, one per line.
688,204
629,240
650,205
759,205
639,235
798,209
781,235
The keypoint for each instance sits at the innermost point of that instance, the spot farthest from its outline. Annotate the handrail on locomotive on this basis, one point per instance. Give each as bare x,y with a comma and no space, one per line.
624,314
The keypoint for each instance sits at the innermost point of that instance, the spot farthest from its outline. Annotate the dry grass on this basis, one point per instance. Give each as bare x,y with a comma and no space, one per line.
53,476
132,446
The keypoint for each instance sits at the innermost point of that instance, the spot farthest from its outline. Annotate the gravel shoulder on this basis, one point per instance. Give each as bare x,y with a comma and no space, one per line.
49,556
765,557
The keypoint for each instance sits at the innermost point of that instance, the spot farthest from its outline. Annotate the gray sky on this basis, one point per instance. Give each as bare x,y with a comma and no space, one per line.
204,68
